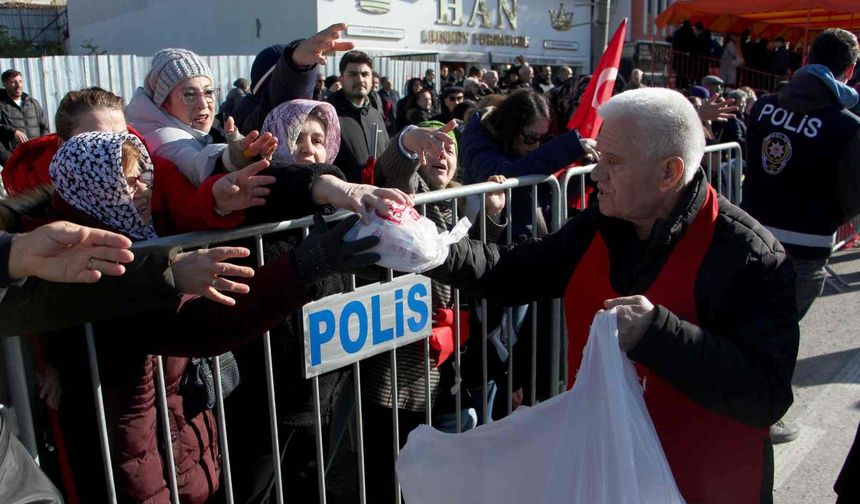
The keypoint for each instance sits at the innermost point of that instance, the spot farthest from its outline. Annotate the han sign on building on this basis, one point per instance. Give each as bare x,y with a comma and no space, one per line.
488,31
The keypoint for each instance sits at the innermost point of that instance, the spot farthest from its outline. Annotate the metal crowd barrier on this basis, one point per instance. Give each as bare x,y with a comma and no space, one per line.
557,375
205,239
723,164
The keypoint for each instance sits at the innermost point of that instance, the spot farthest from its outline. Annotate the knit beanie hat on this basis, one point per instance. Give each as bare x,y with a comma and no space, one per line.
169,68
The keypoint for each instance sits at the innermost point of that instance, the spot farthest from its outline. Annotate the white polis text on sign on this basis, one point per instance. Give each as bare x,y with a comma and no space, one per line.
346,328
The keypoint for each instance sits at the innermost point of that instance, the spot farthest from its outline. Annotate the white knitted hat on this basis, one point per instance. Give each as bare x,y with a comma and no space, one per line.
169,68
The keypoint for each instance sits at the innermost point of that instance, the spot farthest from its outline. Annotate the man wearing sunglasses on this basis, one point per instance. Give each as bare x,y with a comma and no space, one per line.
451,97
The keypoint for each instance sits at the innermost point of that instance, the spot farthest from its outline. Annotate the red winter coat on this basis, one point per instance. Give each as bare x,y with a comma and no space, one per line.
177,206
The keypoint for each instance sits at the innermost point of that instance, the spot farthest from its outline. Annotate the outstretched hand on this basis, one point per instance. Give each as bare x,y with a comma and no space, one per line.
429,144
66,252
359,198
242,189
313,51
202,272
717,110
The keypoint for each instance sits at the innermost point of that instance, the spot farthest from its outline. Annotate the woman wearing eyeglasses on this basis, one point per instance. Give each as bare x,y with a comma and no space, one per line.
175,110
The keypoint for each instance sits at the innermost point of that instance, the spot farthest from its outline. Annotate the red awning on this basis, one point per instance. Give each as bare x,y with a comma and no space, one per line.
766,18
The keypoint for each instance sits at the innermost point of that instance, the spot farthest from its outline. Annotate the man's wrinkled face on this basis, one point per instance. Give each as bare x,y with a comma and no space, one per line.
357,79
628,186
14,87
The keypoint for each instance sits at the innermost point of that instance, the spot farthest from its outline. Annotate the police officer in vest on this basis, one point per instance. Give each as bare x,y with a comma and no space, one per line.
704,295
803,165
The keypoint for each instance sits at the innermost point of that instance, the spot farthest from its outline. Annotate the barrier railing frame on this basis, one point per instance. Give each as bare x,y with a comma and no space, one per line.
558,367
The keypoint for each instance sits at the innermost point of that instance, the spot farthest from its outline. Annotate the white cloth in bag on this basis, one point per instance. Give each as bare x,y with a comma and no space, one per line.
594,444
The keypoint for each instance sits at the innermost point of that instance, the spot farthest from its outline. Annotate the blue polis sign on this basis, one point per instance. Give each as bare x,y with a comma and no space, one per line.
346,328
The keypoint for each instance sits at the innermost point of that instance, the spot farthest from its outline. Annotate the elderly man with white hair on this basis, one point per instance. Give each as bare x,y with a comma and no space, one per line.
704,295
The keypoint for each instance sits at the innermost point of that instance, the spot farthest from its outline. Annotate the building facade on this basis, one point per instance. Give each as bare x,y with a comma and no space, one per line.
481,31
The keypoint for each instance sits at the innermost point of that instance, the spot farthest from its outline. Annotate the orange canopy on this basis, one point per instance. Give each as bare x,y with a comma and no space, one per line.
765,18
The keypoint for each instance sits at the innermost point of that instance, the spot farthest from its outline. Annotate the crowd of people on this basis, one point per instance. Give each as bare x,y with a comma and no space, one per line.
708,295
697,51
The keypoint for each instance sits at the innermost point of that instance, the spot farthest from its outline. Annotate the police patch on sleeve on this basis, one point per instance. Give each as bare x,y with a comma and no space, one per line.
775,152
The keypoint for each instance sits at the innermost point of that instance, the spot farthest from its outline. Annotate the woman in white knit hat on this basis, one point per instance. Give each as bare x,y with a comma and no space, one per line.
174,111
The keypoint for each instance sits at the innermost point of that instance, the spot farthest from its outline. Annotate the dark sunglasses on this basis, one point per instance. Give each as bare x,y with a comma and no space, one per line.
533,139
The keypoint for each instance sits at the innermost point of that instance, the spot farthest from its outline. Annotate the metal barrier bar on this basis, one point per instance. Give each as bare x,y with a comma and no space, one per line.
19,393
485,399
273,410
428,409
395,408
359,422
164,417
100,414
734,164
509,238
458,380
319,441
224,446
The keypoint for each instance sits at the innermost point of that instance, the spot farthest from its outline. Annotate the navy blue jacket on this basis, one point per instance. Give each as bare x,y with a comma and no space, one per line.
287,82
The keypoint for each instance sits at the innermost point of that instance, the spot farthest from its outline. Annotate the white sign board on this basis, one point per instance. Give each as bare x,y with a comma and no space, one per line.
345,328
465,28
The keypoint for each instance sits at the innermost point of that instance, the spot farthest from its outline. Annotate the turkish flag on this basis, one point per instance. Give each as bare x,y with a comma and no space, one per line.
585,118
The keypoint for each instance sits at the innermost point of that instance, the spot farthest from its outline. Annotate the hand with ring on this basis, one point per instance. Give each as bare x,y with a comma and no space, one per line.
202,273
66,252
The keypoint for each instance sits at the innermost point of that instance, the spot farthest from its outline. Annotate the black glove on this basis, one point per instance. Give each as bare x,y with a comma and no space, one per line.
324,252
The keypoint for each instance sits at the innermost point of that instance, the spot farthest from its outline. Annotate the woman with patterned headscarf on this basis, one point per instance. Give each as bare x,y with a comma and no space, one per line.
105,180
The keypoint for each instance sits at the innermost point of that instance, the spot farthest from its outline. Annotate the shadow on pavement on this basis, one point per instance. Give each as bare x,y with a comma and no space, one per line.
823,369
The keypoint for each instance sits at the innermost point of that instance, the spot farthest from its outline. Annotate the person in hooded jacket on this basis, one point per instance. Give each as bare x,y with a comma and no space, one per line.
104,179
285,72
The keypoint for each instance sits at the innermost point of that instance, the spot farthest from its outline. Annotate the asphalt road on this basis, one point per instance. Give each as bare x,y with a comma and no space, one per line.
826,392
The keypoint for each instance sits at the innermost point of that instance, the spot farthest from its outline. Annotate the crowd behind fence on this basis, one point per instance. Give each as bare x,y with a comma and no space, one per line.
722,163
49,78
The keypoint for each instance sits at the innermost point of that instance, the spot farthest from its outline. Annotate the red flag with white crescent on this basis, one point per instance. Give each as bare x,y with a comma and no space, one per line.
585,118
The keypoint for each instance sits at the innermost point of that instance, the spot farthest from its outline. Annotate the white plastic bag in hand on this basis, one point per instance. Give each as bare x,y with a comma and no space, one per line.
594,444
408,240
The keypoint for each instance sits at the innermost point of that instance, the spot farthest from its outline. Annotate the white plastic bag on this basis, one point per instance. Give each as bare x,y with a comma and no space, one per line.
594,444
408,241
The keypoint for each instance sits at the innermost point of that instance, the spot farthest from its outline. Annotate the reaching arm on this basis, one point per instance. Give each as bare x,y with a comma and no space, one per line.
38,305
482,157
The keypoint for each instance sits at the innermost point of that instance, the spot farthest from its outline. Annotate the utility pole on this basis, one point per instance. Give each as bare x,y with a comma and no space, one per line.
599,37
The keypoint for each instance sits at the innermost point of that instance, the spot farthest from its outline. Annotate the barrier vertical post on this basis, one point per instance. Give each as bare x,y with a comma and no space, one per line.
164,417
270,386
100,414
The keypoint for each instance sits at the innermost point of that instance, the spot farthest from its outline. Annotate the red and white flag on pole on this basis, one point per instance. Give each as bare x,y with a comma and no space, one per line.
585,117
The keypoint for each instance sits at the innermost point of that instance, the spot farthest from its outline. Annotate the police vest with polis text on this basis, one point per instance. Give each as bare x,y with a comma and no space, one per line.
791,183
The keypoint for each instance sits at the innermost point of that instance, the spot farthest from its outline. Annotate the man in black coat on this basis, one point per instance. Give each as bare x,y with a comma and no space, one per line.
704,295
21,116
357,118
